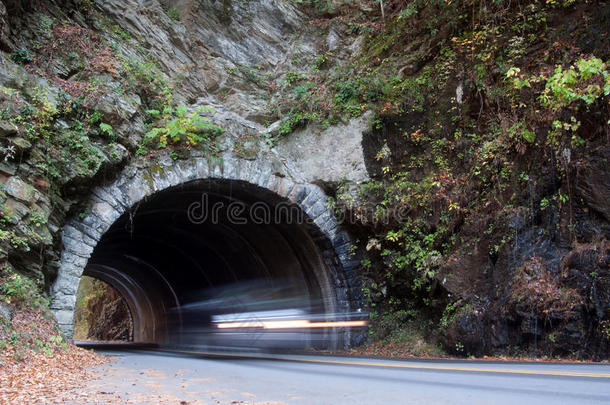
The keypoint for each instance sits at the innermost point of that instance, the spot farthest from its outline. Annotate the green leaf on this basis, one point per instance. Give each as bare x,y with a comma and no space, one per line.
154,113
528,135
106,129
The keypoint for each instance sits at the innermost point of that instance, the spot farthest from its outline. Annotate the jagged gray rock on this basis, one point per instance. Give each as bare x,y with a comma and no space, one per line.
6,312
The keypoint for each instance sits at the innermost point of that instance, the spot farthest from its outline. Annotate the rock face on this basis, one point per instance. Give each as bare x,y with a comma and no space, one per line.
537,295
592,182
226,48
330,156
103,314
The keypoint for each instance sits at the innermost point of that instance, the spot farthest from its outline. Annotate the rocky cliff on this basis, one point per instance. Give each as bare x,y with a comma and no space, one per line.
481,206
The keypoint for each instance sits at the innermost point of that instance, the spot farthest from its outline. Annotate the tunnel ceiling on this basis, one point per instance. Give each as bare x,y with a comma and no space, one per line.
158,236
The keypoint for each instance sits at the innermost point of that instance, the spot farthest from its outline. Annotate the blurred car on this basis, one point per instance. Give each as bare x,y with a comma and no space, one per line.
256,316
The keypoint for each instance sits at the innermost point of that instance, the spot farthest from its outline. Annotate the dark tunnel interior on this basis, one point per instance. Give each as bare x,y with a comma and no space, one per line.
206,234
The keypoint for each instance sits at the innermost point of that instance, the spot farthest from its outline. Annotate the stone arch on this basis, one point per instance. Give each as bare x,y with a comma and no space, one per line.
141,180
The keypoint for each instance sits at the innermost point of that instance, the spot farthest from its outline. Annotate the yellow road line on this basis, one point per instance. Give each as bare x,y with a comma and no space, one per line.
400,365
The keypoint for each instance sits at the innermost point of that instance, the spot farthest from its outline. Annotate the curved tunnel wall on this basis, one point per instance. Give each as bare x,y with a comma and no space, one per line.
138,238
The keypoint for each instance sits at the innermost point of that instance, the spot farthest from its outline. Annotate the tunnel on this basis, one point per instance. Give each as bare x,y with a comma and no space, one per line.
204,234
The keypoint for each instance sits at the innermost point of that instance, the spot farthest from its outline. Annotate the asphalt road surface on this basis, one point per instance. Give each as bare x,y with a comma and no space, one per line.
162,377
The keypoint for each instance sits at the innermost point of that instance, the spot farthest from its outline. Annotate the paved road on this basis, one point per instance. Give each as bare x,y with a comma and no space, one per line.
157,377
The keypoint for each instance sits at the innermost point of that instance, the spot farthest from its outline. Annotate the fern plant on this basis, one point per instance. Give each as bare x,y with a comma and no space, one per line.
178,127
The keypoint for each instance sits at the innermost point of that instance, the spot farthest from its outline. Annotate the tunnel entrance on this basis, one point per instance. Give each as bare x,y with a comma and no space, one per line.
204,235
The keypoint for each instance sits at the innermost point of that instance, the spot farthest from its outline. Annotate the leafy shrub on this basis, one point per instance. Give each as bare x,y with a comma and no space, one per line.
295,120
293,77
586,81
95,118
38,218
251,73
20,291
566,93
21,56
174,14
120,32
321,59
17,242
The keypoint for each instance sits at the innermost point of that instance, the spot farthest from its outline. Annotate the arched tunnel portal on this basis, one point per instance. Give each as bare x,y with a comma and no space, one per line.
163,233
